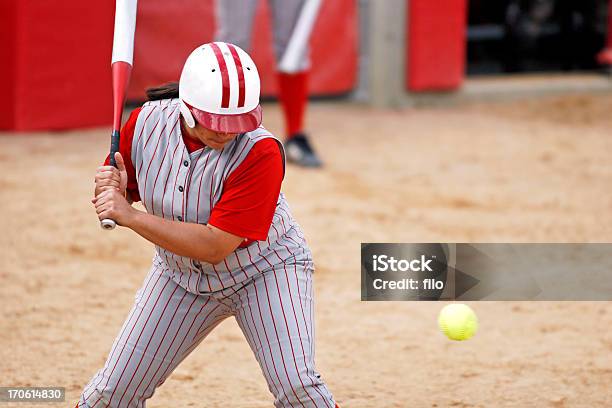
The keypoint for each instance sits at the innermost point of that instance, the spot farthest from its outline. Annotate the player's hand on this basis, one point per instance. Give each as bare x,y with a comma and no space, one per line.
112,204
109,177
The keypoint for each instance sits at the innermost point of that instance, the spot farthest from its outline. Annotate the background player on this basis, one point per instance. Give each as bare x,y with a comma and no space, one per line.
209,177
234,25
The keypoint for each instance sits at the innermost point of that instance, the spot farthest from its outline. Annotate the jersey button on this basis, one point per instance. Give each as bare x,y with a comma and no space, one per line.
181,189
186,163
179,218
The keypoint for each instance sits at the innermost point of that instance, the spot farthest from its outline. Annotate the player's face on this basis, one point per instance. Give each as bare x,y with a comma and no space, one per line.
215,140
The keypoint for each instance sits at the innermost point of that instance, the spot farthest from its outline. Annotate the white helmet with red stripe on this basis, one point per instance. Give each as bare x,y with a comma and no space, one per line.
219,88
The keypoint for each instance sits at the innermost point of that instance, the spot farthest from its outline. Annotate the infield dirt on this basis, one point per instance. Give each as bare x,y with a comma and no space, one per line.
525,171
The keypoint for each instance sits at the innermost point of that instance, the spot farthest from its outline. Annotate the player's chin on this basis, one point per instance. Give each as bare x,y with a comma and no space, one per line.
216,145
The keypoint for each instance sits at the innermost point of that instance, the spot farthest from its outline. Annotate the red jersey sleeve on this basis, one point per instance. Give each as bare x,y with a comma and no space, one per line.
125,148
250,193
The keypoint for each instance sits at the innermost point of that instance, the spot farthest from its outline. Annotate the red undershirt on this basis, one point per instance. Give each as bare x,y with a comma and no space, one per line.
248,201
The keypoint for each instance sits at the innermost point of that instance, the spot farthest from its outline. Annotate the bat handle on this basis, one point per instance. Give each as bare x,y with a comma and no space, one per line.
107,223
114,148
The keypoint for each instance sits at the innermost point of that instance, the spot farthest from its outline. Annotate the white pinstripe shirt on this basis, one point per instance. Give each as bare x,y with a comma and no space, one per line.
182,186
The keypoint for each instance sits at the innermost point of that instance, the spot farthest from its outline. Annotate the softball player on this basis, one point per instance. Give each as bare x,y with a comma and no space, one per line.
226,243
292,22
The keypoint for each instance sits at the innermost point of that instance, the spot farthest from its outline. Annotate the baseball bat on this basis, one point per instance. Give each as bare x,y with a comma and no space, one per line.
121,67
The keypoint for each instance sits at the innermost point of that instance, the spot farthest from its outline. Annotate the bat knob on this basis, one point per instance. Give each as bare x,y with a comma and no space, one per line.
108,224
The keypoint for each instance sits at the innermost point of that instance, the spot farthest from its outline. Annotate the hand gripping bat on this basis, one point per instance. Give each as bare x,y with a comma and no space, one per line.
121,66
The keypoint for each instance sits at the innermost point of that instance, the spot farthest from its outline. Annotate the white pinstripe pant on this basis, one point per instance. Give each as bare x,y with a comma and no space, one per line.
274,310
235,24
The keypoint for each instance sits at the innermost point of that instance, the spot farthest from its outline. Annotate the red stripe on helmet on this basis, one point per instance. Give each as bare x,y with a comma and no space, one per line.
240,71
224,75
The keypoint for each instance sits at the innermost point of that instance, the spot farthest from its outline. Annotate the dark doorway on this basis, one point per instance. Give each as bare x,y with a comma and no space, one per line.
534,35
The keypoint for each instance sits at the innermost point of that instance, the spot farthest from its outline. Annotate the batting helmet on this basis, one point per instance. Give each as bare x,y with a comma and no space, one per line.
219,88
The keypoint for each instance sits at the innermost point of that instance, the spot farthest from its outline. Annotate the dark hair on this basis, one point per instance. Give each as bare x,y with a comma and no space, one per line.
168,90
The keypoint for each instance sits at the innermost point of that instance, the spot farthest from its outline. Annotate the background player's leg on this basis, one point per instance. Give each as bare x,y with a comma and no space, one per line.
235,21
275,314
292,86
293,96
164,325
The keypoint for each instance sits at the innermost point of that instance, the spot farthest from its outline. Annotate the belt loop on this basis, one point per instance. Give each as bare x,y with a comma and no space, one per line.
198,282
198,267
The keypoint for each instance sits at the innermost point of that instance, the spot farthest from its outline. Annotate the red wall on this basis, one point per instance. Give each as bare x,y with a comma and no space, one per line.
436,38
55,63
8,11
162,45
56,55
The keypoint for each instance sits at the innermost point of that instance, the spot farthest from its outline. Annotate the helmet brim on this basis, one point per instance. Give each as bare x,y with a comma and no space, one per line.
240,123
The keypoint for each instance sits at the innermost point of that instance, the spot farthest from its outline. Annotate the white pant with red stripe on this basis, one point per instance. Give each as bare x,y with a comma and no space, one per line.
235,25
274,310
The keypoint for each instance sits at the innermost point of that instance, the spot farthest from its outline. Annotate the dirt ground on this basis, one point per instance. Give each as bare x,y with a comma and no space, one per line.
526,171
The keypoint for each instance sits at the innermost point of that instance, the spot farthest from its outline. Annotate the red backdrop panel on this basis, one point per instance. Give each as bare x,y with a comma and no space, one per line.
436,44
56,57
166,32
8,24
56,63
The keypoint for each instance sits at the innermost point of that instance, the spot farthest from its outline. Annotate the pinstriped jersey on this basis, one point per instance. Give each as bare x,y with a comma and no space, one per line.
182,186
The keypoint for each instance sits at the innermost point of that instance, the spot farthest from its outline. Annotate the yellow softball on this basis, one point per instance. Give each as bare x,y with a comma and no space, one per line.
458,321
